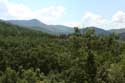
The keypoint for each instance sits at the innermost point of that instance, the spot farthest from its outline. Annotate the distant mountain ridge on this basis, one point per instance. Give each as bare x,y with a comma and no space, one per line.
122,30
59,29
54,29
98,31
32,22
37,25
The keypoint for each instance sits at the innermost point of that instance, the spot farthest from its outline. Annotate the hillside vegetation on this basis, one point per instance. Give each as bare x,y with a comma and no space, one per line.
29,56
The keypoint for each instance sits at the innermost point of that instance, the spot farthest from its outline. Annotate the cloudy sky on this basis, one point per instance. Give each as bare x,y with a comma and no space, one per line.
106,14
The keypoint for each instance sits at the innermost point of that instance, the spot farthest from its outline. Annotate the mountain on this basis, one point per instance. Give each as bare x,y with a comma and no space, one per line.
59,29
10,30
28,23
53,29
122,30
38,25
98,31
122,36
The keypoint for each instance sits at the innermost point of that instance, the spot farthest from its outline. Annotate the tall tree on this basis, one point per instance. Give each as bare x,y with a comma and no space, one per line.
91,68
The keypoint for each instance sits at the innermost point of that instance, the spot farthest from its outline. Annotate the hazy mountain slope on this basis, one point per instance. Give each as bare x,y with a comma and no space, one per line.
37,25
10,30
61,29
28,23
122,35
122,30
98,31
33,24
58,29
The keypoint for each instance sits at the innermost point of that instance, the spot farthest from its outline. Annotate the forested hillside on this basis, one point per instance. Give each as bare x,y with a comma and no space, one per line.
29,56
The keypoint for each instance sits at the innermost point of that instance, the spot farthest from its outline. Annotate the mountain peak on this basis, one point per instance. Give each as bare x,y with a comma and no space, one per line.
91,27
34,20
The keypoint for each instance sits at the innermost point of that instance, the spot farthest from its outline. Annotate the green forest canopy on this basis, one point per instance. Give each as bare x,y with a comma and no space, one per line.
29,56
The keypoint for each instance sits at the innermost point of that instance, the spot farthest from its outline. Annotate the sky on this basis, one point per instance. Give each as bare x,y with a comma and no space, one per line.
105,14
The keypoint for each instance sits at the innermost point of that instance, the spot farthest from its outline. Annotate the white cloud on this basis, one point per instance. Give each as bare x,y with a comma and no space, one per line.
73,24
10,10
3,9
20,11
117,20
51,13
3,0
119,17
93,19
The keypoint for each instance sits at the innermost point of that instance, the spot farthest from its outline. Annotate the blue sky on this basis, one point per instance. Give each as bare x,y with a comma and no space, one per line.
106,14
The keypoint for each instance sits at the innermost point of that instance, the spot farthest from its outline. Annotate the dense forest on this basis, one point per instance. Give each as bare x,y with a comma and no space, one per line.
29,56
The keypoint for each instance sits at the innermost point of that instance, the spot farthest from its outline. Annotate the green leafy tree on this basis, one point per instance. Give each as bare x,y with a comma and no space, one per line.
9,76
91,68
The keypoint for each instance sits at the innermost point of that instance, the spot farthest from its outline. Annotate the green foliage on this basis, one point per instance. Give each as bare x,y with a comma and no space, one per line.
9,76
28,56
91,68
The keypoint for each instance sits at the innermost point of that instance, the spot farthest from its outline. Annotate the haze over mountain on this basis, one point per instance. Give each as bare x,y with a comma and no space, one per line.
98,31
53,29
122,30
37,25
